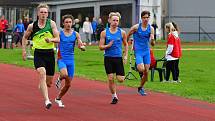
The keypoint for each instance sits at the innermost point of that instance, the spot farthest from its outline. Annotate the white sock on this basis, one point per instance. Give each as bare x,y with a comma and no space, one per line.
114,95
47,101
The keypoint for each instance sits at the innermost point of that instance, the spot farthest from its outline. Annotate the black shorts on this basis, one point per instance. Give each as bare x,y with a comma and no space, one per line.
114,65
45,58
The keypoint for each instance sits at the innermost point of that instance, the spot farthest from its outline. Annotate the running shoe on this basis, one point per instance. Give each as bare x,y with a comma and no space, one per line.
58,83
48,104
60,103
141,91
114,101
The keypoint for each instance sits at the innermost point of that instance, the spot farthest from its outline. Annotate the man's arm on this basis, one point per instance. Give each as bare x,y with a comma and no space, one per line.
102,45
25,40
125,43
132,30
80,43
152,36
56,37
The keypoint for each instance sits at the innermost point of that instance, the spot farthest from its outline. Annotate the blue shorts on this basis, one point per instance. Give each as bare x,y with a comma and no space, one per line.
143,57
69,66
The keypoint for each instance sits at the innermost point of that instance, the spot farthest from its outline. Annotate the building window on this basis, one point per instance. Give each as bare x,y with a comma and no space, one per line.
124,9
79,13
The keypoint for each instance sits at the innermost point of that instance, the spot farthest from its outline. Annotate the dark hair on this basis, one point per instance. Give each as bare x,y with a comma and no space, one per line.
175,26
67,16
144,13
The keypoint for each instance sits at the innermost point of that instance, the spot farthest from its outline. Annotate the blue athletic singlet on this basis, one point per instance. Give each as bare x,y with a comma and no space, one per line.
141,45
66,46
116,49
141,39
66,53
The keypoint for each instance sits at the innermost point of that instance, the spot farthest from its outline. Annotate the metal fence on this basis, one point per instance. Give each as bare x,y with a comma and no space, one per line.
194,28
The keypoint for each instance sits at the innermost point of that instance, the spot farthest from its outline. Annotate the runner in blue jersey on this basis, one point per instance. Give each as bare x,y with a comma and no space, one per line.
65,60
143,34
111,41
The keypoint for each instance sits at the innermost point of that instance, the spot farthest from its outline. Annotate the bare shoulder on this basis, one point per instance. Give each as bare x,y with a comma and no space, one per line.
103,32
53,23
76,33
30,27
151,28
123,31
134,27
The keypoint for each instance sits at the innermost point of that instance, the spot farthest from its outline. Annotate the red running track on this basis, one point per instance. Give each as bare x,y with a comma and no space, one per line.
20,100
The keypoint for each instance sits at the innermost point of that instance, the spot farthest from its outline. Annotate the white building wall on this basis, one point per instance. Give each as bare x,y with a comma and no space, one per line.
1,11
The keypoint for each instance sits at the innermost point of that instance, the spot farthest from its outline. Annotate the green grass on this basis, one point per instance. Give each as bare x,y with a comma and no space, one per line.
196,71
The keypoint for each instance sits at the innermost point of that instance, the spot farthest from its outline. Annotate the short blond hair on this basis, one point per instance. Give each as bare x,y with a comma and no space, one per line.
114,14
42,5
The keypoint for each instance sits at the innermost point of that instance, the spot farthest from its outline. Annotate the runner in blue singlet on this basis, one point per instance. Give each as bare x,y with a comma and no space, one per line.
143,33
111,41
65,60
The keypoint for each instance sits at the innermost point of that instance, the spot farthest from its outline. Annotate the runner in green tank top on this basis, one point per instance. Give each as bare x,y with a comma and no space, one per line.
44,33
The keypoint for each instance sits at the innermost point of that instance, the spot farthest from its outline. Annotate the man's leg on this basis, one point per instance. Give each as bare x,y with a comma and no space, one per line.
120,78
145,74
141,69
144,78
64,75
49,81
43,86
112,88
111,84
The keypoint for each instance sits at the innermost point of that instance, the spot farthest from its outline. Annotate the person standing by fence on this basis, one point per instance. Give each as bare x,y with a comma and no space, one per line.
99,29
3,30
88,30
18,30
94,24
76,25
173,51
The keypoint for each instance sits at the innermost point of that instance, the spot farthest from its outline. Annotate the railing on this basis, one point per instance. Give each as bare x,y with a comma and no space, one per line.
195,28
208,34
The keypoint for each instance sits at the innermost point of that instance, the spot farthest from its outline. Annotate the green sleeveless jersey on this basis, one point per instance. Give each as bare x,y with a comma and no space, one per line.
39,36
